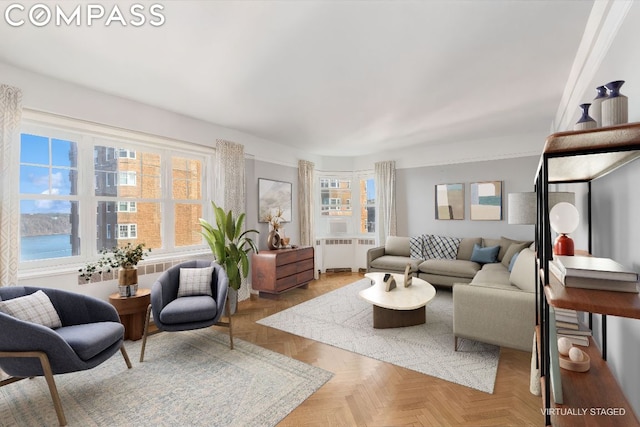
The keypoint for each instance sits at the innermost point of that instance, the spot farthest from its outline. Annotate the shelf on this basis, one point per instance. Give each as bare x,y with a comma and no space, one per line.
579,156
586,394
622,304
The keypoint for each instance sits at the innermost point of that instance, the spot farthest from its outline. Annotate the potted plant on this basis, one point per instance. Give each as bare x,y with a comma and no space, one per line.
230,245
125,259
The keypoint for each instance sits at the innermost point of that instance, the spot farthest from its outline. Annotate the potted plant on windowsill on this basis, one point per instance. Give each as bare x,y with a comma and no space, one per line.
125,259
230,246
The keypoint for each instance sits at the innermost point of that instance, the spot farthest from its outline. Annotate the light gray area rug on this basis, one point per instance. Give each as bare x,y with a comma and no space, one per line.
341,319
187,379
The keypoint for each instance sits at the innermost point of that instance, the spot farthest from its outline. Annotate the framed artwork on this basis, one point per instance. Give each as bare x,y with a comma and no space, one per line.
274,195
450,201
486,201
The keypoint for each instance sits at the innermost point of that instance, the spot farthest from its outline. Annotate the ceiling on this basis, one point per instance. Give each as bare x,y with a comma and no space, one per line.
326,77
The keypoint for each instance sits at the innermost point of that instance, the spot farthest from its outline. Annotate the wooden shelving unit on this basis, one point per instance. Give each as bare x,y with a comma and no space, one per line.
590,398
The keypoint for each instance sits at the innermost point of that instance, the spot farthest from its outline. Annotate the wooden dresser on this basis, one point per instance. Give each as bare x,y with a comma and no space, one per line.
274,272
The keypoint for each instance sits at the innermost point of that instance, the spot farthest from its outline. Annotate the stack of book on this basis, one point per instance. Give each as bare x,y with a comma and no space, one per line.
568,326
593,273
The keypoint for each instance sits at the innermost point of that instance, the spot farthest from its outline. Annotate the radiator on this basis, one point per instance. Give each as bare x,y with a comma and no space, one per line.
346,254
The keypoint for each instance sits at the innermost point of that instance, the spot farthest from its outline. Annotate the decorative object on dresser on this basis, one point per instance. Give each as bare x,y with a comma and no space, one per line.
585,121
277,271
564,219
276,238
615,109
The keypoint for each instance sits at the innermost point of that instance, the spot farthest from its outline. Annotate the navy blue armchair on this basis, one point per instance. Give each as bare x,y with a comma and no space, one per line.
172,313
91,333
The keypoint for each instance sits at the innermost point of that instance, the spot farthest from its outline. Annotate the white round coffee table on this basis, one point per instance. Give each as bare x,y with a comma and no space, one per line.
401,306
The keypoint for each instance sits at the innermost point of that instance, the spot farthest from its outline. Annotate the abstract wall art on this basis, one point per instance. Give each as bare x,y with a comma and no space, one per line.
450,201
486,201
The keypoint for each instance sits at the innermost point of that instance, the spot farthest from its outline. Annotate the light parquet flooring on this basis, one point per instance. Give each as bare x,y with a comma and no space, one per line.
367,392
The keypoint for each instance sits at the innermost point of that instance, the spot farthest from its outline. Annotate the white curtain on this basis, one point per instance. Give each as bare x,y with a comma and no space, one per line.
10,113
385,178
305,201
229,186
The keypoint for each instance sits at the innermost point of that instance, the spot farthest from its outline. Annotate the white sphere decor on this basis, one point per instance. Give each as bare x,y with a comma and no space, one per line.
564,218
576,355
564,346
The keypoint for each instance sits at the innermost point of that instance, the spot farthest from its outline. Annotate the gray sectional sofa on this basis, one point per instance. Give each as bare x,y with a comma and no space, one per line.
491,302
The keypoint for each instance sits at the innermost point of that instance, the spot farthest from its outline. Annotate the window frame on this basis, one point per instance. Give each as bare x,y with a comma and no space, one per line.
87,135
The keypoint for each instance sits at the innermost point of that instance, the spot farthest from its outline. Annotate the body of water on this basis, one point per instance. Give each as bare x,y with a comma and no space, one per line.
43,247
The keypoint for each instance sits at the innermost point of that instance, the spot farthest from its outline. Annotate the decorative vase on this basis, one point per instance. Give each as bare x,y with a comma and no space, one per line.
596,105
127,281
585,122
615,108
273,239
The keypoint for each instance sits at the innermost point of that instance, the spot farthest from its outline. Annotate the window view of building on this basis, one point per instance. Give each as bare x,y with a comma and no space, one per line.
339,200
127,196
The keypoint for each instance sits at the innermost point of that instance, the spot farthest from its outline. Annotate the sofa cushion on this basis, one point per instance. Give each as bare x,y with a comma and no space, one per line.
505,242
513,261
485,255
494,274
397,245
523,274
450,267
441,247
415,247
465,249
395,263
513,249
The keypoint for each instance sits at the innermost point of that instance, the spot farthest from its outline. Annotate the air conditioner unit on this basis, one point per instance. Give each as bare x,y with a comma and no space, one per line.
338,226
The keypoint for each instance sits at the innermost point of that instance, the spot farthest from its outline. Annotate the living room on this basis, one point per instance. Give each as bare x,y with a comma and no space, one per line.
450,148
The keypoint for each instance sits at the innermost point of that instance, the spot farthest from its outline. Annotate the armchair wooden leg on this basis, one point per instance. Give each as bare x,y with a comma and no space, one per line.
145,334
125,355
455,343
48,374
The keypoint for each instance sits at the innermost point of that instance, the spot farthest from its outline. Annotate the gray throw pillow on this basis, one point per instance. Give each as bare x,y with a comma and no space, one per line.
195,281
34,308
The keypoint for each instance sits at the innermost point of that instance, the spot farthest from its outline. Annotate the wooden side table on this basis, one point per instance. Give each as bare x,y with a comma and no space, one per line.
132,312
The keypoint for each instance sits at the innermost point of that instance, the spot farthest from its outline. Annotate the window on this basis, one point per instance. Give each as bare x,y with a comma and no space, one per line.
339,199
125,207
79,179
127,231
335,196
127,178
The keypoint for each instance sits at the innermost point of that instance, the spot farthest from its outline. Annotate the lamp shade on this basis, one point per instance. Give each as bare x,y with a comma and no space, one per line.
564,218
522,206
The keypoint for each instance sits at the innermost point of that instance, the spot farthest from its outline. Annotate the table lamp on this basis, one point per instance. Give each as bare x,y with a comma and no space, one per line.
564,219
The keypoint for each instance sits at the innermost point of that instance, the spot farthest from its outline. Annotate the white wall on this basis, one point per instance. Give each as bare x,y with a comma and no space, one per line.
616,234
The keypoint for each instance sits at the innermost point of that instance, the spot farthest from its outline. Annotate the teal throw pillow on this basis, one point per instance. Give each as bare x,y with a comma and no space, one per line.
485,255
513,261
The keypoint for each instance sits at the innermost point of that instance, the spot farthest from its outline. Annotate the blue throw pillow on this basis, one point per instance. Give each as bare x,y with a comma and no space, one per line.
485,255
513,261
